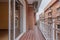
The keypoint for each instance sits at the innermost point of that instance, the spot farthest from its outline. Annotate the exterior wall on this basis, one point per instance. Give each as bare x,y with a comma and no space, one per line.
3,15
46,17
52,7
55,12
50,4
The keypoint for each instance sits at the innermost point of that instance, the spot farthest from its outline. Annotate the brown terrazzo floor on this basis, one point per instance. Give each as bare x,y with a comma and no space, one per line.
3,34
34,34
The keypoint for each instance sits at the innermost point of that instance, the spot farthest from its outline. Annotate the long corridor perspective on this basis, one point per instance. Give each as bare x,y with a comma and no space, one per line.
34,19
29,19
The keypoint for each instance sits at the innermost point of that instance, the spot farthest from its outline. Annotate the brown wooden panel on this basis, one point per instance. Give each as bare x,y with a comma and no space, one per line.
3,15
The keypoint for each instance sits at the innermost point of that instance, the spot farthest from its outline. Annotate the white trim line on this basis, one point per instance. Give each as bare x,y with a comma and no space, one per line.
53,30
20,36
14,18
9,21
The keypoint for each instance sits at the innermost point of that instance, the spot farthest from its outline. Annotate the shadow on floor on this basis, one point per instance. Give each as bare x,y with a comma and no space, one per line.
3,34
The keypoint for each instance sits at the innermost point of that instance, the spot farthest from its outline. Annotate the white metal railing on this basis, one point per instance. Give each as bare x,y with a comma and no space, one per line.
47,30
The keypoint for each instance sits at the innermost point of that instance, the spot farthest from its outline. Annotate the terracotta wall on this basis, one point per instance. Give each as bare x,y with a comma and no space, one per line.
53,7
3,15
50,4
30,18
54,11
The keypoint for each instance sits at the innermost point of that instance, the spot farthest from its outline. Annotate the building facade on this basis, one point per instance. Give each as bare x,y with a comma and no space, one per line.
52,20
52,17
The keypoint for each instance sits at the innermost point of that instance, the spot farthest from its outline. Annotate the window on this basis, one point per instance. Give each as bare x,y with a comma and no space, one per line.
58,9
49,14
16,19
58,18
59,0
58,26
49,20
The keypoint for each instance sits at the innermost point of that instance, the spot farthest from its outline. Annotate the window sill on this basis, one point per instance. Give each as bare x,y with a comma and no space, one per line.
20,36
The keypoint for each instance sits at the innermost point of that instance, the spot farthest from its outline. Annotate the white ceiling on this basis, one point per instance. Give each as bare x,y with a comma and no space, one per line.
31,1
3,0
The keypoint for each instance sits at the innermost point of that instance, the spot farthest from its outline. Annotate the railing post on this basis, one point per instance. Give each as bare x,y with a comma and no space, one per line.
53,29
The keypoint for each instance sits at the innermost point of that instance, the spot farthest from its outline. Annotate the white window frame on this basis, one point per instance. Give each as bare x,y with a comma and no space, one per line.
24,21
24,24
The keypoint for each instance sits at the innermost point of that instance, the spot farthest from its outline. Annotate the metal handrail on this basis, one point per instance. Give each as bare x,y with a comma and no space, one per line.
47,30
41,33
52,28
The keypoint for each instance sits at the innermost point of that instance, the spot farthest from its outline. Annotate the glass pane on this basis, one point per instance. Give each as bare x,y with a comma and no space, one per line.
58,26
12,19
58,9
17,18
21,19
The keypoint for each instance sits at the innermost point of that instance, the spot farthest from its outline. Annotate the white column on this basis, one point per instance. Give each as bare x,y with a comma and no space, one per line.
9,20
53,29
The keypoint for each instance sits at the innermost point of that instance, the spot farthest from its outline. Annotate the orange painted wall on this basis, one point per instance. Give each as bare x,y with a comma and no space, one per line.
3,15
